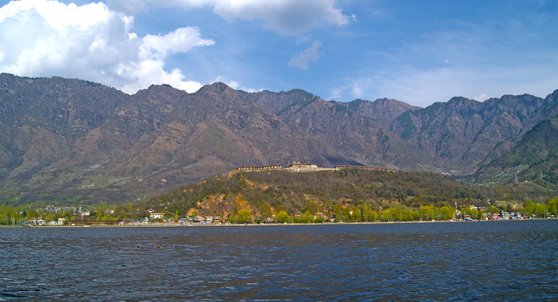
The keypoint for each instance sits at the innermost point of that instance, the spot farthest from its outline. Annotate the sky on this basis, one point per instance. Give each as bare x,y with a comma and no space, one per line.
418,52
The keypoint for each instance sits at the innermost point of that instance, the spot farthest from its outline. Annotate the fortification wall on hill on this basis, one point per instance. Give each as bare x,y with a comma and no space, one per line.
257,168
303,167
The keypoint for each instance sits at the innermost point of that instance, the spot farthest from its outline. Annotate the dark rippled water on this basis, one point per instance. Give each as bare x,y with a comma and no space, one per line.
440,261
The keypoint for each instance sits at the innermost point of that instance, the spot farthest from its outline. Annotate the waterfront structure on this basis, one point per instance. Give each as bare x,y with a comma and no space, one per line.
155,215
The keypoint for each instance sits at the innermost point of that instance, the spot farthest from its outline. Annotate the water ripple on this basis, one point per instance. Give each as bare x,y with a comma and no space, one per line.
427,262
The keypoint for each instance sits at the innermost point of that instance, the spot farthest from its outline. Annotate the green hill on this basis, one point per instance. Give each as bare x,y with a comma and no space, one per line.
265,193
531,166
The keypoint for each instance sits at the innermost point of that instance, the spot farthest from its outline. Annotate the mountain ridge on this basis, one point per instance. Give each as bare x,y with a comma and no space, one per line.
77,140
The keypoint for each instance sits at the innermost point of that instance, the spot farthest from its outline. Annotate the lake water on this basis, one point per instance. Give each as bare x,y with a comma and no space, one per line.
430,261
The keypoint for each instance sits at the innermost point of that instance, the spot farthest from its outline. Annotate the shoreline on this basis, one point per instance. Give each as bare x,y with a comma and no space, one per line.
176,225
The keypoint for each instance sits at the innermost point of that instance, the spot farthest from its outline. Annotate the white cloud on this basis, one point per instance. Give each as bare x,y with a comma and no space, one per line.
335,94
57,15
310,54
422,87
90,42
416,87
179,41
357,90
236,85
147,72
481,97
132,7
289,17
476,61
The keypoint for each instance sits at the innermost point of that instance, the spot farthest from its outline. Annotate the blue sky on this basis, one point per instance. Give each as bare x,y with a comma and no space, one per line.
419,52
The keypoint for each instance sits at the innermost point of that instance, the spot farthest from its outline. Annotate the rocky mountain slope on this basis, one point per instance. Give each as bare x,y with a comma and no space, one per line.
533,159
79,141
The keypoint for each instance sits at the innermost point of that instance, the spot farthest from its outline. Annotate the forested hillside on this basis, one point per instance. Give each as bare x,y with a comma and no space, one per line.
265,193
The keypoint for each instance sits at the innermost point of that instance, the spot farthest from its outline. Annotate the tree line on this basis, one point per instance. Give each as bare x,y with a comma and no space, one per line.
107,214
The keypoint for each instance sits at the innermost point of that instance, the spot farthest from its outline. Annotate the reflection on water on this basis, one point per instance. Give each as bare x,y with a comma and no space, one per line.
440,261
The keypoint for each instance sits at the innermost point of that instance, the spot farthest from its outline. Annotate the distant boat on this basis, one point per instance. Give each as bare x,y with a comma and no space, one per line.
86,225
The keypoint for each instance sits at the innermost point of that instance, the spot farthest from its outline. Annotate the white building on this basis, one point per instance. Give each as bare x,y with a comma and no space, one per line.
155,215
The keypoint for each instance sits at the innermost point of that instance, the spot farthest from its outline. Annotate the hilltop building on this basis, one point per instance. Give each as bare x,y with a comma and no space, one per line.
305,167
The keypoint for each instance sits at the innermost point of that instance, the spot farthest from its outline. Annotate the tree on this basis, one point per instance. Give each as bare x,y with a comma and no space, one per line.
390,214
242,216
369,214
552,206
282,217
406,214
8,215
493,209
477,214
529,207
540,210
356,214
265,210
338,210
347,214
427,213
311,207
307,217
445,213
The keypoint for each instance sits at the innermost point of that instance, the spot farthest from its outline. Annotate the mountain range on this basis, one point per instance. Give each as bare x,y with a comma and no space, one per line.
72,140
